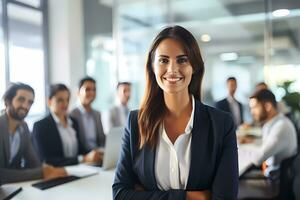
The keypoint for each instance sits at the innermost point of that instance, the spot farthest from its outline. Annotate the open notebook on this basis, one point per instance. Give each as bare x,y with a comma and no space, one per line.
74,173
8,191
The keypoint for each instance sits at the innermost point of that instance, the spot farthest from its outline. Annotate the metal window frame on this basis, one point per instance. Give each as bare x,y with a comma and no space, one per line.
43,8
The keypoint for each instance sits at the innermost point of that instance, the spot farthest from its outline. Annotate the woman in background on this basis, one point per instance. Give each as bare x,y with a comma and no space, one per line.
56,136
175,147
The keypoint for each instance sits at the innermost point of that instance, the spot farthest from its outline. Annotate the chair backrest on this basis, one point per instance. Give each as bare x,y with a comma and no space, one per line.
286,179
296,183
288,172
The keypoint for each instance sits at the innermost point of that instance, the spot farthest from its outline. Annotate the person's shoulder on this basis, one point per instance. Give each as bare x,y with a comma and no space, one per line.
44,121
74,112
217,114
3,119
114,108
134,113
221,101
284,124
95,111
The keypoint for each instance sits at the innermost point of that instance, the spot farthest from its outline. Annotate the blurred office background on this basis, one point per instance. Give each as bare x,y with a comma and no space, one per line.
44,42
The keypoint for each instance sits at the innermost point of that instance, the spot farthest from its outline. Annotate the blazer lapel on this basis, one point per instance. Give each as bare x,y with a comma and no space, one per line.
6,138
149,170
81,131
200,134
97,125
144,160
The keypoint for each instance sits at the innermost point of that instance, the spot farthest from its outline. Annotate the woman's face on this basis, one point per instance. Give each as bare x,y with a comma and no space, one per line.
171,66
59,103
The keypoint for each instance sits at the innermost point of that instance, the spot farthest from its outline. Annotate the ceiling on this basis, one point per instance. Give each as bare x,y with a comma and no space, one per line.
240,26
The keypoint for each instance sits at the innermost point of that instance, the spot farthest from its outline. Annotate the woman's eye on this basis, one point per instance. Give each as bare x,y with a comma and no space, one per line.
182,60
163,60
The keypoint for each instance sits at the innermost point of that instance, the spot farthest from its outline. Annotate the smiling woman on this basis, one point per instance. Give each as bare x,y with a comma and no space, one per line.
175,147
173,71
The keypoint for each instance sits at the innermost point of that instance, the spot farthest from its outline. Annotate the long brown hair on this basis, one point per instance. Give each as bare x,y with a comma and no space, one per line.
153,109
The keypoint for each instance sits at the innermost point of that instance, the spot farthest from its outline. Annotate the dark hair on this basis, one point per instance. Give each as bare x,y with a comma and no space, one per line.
11,92
123,83
86,79
153,109
231,78
55,88
264,96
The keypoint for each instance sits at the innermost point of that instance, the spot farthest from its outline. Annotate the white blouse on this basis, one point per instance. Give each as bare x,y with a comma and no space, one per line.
172,162
68,137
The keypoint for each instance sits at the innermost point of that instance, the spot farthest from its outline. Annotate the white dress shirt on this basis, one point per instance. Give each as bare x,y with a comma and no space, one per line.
123,113
279,142
235,109
89,127
172,162
14,141
68,137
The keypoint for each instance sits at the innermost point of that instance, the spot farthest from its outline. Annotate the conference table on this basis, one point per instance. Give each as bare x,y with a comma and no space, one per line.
248,151
99,186
93,187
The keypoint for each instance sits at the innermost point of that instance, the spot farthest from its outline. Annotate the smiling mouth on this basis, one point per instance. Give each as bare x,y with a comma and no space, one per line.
173,79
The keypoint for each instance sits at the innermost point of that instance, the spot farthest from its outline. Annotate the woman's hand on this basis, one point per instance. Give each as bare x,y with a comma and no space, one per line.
93,157
198,195
50,172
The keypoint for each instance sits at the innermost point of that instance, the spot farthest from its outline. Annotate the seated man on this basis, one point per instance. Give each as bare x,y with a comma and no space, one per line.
18,160
56,135
279,141
91,132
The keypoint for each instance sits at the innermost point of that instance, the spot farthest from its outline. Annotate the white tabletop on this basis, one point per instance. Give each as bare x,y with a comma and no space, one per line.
246,153
99,186
94,187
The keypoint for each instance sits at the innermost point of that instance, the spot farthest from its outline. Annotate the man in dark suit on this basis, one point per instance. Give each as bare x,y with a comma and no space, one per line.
90,131
230,104
18,160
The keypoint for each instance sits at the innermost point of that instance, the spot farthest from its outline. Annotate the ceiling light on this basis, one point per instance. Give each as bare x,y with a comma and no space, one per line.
229,56
205,38
281,13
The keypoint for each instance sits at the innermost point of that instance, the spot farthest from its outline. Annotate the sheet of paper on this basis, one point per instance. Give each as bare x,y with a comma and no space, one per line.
82,170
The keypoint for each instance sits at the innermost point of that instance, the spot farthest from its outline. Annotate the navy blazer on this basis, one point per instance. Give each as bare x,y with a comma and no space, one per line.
224,105
214,161
47,141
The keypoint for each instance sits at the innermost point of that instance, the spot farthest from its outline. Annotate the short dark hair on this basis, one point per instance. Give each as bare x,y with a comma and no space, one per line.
11,92
86,79
231,78
123,83
55,88
264,96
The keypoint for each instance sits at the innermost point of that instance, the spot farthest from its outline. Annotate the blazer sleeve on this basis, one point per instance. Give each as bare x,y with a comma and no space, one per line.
48,152
18,175
125,177
225,184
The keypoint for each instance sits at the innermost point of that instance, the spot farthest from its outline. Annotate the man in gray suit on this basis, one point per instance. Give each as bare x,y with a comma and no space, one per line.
18,160
118,114
91,132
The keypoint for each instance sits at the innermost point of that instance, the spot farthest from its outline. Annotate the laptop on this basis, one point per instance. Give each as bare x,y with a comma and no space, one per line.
7,191
110,158
112,148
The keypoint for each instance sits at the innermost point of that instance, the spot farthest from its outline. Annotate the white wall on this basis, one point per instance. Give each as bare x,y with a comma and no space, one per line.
66,43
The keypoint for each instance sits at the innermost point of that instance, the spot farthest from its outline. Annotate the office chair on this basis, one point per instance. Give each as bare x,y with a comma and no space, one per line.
289,169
